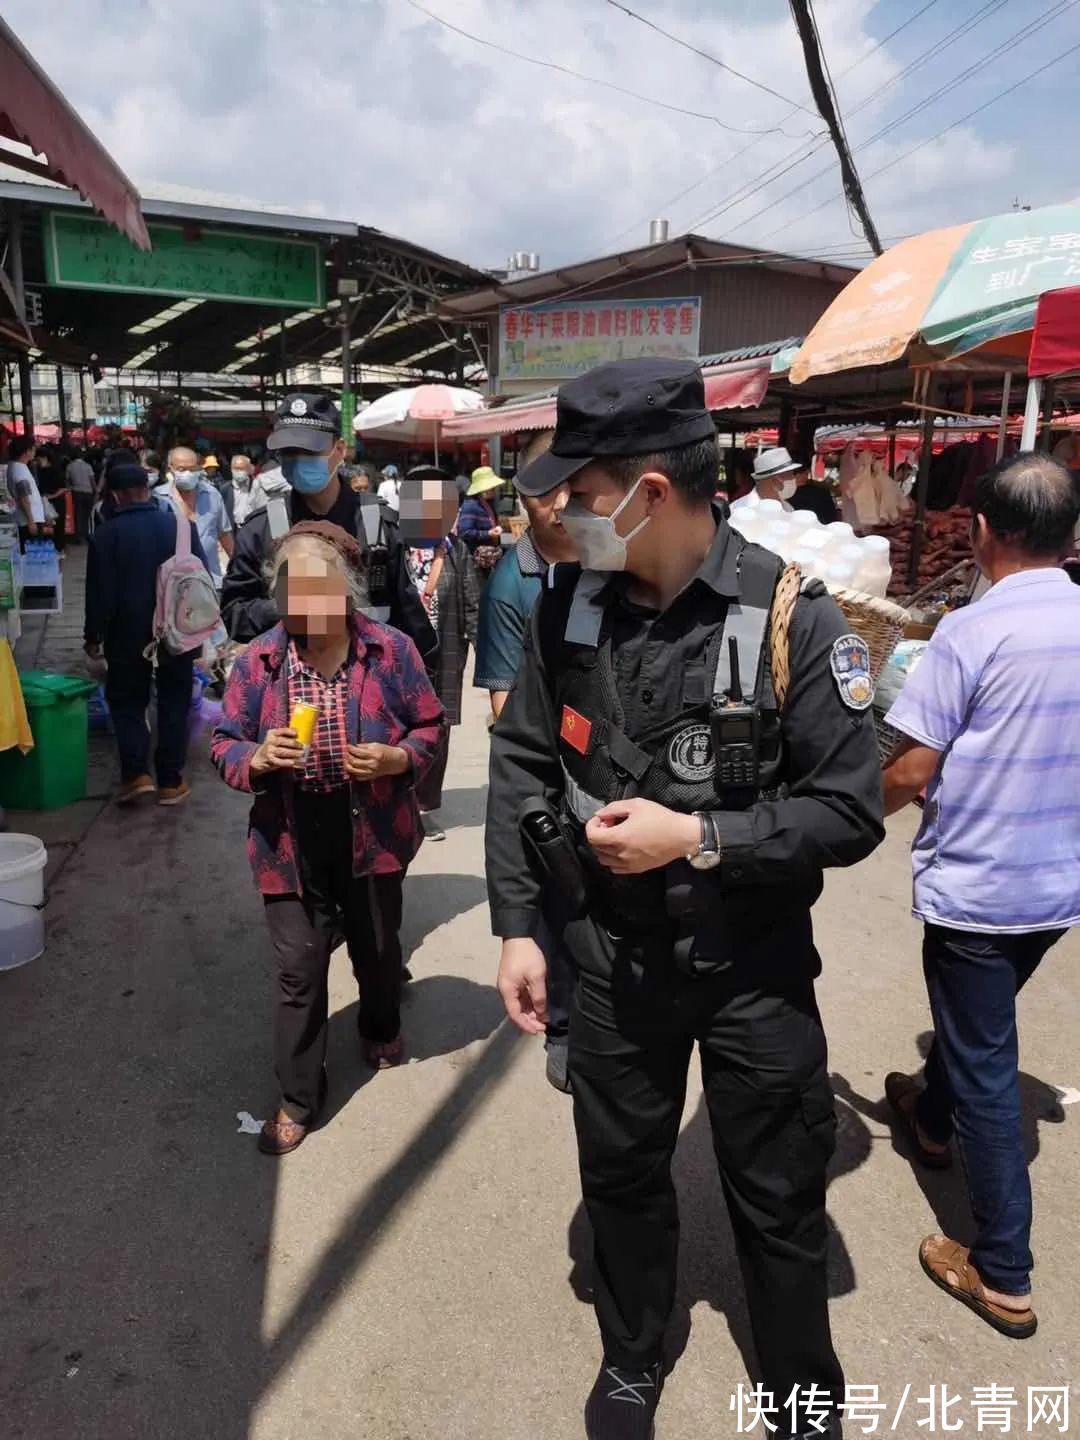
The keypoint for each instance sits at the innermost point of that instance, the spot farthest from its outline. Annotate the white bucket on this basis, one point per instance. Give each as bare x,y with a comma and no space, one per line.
22,892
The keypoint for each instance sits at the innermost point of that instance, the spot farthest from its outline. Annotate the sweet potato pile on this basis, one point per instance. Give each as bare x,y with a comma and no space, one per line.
945,542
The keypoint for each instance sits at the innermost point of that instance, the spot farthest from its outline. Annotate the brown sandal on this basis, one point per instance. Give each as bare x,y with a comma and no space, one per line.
902,1093
281,1135
949,1265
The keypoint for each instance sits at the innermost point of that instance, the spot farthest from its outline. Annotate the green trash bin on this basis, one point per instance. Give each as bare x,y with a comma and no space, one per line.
54,772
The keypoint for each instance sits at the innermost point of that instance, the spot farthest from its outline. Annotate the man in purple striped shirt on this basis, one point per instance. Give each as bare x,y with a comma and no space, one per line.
991,720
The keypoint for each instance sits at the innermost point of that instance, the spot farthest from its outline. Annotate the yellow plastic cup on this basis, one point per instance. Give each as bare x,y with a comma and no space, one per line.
302,720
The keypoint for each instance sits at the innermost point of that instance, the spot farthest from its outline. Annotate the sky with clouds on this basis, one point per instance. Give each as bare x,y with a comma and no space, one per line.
370,110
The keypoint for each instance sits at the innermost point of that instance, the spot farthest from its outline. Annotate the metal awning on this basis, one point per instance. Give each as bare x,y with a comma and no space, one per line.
35,114
738,386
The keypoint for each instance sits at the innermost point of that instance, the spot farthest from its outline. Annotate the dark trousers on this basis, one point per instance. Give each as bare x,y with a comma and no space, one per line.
127,690
560,983
304,930
973,1087
763,1063
84,503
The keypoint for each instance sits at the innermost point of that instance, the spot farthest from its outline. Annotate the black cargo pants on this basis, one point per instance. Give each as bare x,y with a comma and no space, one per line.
763,1060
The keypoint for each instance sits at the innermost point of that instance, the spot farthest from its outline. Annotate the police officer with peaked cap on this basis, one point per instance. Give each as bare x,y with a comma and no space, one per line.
647,786
306,441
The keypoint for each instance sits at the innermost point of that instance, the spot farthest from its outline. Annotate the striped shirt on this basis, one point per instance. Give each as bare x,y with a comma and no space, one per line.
998,693
324,768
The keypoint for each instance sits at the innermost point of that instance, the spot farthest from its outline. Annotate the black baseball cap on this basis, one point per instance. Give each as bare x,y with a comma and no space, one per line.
630,407
126,475
305,422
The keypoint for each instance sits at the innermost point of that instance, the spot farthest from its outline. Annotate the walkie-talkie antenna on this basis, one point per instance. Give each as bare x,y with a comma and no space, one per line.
735,689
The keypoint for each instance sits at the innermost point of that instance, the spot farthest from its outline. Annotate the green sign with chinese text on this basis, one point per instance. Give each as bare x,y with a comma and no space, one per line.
197,261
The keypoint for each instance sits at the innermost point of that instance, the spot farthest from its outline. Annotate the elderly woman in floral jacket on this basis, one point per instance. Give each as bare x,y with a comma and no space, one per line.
334,824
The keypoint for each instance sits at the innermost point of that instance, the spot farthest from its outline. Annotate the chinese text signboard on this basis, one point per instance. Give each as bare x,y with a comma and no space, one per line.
85,253
554,341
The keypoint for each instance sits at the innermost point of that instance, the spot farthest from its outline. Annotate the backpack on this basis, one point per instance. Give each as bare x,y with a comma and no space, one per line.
187,612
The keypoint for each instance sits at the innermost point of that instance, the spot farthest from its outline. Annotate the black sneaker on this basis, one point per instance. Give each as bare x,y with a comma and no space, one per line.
623,1403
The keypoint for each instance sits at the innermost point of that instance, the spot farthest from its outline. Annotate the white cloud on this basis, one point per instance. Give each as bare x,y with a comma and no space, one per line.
367,110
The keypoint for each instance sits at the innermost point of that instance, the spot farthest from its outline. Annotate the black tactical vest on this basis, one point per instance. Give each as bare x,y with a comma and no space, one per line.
672,763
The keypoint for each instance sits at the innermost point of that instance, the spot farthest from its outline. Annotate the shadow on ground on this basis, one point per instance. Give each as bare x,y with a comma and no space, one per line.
945,1190
435,900
708,1264
137,1220
440,1014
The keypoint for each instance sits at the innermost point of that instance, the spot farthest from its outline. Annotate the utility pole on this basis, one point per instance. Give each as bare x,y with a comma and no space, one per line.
824,100
26,387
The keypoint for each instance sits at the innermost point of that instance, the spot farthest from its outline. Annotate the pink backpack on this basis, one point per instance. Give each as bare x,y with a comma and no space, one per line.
187,612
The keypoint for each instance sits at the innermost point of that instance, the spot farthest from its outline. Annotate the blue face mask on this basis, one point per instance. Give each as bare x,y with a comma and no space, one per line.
307,474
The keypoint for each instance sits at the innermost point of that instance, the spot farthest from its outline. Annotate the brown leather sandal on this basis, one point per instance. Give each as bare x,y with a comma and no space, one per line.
281,1135
949,1266
902,1093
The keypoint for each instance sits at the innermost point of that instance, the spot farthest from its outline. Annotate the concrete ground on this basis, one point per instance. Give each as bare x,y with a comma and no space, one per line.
419,1270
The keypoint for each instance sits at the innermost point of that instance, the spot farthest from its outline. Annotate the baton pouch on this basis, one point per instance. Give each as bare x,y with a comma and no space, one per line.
554,856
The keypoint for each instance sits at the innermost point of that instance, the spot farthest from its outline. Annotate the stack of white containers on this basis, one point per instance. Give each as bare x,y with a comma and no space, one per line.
832,553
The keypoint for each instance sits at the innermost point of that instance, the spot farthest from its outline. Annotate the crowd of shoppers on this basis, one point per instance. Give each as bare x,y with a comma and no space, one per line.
354,595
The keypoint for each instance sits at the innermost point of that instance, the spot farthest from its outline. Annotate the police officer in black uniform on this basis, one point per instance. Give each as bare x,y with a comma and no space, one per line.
647,788
306,441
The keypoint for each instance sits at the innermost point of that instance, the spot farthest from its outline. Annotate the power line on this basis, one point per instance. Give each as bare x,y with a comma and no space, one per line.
590,79
774,172
1025,31
730,159
705,55
822,91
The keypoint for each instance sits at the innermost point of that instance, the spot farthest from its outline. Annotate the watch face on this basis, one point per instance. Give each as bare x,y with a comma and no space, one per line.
707,860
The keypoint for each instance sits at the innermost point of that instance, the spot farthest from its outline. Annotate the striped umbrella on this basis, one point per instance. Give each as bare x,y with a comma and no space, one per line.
967,291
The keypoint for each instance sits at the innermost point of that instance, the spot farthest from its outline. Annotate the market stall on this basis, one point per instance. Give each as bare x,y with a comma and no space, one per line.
1000,295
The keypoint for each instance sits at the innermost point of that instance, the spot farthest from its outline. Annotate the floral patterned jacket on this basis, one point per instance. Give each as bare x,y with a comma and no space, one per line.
390,701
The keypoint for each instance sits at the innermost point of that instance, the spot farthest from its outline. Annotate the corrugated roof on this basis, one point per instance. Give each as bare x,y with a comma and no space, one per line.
751,352
623,268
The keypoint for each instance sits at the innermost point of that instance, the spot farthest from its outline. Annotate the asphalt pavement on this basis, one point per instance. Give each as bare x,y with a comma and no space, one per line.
419,1269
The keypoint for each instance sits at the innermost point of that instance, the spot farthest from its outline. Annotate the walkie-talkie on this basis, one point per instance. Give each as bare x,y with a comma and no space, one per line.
736,732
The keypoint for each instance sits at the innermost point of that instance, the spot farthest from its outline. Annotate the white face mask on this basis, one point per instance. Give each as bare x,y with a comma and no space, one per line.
787,490
185,479
598,544
241,477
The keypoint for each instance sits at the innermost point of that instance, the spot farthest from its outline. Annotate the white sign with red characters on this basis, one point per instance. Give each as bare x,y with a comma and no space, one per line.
564,338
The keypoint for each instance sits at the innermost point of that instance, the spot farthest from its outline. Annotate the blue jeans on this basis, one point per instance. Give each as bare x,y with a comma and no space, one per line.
973,1089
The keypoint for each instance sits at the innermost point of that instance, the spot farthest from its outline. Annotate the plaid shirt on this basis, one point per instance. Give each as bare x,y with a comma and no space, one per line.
388,699
324,769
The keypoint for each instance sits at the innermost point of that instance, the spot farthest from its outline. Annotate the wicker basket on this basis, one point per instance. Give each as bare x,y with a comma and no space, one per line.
879,622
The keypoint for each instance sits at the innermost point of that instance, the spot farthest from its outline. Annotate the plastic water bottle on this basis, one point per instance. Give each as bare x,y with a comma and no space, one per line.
875,572
747,522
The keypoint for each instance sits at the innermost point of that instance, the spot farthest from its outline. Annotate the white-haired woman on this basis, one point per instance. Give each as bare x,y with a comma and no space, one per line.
333,825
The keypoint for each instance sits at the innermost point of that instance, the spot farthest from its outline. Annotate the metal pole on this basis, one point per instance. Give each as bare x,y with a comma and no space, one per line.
347,401
1006,387
1048,415
61,402
26,387
922,486
1031,413
82,401
284,362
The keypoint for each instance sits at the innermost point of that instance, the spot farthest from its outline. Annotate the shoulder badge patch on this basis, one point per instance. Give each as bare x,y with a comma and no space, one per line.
850,666
690,754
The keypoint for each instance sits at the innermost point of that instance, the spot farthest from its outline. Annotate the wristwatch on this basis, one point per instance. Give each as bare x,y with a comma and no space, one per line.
707,856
